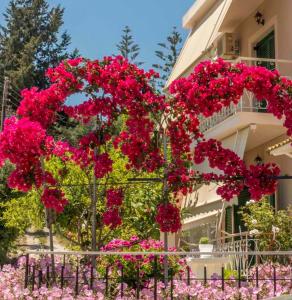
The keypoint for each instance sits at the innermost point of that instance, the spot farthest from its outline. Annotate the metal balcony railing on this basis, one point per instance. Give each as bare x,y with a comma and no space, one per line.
248,101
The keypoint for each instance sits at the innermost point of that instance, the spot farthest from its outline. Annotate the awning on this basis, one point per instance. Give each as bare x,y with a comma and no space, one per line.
199,40
237,12
206,194
200,219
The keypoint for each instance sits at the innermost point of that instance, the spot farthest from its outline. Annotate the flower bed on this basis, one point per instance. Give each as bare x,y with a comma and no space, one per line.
12,285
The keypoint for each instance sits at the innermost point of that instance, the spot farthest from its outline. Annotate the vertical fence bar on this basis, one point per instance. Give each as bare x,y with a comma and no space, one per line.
62,276
138,283
222,278
205,275
275,280
91,277
188,279
26,271
48,276
155,277
33,276
122,281
106,280
40,279
239,276
257,280
171,287
77,280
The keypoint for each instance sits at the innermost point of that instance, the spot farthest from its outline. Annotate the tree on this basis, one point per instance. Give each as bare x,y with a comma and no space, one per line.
31,42
128,48
168,54
118,88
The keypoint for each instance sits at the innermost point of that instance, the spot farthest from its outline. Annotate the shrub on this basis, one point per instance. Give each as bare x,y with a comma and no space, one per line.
204,240
272,229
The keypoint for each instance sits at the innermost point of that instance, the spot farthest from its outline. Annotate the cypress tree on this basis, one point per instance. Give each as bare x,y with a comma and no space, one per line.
128,48
167,54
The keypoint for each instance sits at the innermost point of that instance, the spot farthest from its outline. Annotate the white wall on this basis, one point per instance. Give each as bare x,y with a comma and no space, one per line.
284,193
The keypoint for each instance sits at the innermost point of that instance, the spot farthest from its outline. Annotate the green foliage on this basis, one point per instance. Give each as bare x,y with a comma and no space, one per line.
23,212
273,229
128,48
230,274
7,234
204,240
31,41
168,54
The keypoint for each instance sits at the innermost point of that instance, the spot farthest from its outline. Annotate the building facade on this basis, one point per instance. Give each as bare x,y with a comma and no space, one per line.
256,32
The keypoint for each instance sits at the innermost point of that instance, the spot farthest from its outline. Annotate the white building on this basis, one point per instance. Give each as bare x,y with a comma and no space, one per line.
255,32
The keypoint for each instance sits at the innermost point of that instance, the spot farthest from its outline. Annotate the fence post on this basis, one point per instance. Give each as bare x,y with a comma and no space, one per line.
122,281
155,277
40,279
48,276
62,276
188,279
205,275
77,280
257,279
138,283
33,276
171,287
275,280
222,275
239,276
106,281
91,277
26,271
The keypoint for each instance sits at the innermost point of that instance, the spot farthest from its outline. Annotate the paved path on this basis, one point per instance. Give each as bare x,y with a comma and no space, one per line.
37,240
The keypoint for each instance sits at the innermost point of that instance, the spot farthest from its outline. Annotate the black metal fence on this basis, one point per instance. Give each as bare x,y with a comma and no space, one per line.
83,274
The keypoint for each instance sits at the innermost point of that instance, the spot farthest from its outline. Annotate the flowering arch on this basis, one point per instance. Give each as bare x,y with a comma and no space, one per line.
114,88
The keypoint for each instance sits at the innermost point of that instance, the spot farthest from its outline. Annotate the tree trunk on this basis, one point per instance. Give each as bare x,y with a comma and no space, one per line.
49,220
93,217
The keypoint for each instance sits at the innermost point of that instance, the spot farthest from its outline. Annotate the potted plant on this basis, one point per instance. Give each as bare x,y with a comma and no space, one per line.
205,246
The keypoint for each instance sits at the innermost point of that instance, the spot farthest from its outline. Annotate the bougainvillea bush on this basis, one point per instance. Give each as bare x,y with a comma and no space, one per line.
128,268
12,286
113,88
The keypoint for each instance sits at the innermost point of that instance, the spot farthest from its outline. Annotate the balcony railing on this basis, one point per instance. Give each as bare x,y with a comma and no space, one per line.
247,102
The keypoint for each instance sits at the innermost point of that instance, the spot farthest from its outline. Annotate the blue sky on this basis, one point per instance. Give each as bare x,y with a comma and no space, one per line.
95,25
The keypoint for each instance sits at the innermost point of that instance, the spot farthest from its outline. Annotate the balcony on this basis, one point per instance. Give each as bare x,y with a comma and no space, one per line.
247,103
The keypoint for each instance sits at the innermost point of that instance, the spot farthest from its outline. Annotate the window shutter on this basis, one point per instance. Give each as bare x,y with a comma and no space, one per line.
228,219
